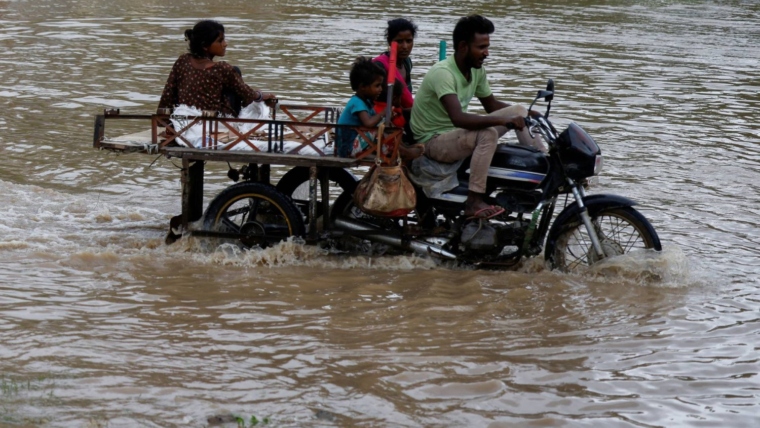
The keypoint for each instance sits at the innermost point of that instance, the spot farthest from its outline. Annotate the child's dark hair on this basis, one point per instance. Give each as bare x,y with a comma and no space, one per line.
470,25
203,34
364,72
398,25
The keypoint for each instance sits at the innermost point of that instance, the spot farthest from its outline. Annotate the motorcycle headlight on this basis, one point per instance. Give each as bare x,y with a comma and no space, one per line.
598,164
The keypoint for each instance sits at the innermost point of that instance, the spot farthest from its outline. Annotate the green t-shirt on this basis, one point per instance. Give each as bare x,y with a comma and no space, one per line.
429,118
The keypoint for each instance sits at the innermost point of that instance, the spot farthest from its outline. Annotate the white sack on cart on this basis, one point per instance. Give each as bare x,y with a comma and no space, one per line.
181,115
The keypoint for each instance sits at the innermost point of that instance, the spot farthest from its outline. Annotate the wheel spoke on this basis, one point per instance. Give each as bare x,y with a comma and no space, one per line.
581,245
615,228
228,225
253,209
237,211
622,233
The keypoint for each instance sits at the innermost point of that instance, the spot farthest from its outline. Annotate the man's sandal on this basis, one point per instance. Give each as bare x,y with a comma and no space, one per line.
486,213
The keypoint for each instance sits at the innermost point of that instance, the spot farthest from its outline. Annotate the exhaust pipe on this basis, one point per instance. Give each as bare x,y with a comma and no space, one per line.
421,247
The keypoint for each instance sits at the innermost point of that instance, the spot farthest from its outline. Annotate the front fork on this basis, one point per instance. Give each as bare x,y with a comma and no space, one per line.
579,193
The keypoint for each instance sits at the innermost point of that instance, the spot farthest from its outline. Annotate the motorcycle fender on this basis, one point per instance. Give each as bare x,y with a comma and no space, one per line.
593,203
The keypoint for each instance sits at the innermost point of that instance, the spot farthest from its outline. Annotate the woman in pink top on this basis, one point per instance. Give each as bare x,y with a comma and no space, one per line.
402,31
197,81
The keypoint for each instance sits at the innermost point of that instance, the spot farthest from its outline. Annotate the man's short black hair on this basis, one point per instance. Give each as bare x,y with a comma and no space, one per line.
470,25
364,72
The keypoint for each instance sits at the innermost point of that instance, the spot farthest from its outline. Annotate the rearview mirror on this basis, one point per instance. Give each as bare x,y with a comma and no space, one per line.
546,95
549,88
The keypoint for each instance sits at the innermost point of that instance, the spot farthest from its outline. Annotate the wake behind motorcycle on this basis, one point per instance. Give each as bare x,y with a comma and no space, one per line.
528,183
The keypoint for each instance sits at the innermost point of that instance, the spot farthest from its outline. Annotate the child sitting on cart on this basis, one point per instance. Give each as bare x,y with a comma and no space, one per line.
367,81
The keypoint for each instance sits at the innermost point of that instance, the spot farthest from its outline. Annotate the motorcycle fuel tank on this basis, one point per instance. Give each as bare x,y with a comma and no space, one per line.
513,167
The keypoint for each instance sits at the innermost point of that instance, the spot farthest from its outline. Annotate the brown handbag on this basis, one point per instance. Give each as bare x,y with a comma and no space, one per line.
385,190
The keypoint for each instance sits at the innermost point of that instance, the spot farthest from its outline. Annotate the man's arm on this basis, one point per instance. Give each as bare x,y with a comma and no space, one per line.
491,104
474,122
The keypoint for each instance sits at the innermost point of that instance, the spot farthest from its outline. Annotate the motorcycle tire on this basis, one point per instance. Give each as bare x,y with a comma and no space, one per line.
621,230
254,214
295,184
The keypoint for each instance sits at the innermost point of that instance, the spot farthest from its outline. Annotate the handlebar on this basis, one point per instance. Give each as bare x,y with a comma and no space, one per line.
542,126
529,123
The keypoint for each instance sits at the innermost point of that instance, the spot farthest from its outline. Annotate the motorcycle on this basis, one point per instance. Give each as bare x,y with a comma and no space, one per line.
527,183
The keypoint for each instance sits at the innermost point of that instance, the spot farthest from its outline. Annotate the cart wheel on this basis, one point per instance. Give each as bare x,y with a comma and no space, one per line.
254,214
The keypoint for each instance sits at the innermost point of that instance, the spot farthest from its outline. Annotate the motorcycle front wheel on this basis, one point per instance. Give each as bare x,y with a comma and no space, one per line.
621,230
253,214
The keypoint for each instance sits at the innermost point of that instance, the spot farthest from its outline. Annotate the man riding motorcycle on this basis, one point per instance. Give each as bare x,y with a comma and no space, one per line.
440,119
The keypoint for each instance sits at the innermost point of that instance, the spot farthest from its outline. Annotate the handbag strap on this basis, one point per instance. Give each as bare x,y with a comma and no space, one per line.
379,140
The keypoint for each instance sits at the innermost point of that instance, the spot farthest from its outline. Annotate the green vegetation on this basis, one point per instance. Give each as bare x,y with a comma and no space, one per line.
242,422
15,393
253,421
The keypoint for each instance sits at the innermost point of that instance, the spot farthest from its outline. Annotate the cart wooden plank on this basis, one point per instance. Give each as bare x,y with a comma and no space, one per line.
135,142
259,157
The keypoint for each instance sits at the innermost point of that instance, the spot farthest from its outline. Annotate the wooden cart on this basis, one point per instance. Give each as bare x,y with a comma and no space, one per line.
296,136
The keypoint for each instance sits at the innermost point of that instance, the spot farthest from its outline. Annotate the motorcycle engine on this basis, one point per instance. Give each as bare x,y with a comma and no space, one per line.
480,236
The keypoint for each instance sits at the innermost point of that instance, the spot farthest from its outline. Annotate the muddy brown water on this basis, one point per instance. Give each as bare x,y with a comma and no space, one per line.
101,324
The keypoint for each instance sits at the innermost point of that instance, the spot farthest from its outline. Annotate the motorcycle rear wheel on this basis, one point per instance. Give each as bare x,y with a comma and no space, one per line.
621,230
253,214
344,206
295,184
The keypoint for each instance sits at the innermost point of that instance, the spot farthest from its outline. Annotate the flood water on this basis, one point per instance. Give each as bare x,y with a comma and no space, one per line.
101,324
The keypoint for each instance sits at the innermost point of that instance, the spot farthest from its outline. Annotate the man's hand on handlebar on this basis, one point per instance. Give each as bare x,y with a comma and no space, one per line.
515,122
532,116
